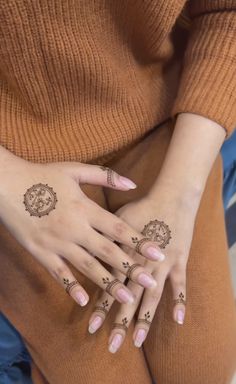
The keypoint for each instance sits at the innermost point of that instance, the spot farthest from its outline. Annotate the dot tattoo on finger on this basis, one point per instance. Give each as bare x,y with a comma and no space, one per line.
69,285
130,268
104,307
110,284
180,299
139,243
122,325
110,175
146,319
40,200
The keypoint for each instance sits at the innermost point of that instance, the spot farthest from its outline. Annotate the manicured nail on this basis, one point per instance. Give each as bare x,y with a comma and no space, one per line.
124,296
82,300
127,183
95,324
140,337
180,316
115,343
146,280
155,254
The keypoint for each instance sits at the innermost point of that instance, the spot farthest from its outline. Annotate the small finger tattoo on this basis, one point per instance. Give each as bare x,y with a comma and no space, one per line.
69,285
146,319
139,243
130,268
104,307
157,231
110,175
110,284
122,325
39,200
180,299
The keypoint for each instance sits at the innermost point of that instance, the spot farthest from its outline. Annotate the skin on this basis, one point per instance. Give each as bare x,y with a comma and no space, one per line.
77,229
178,189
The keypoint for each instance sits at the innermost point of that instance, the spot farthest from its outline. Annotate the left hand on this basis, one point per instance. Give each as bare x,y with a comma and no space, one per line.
158,214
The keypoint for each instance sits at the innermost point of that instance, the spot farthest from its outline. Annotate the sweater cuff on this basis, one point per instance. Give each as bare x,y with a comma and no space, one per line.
208,80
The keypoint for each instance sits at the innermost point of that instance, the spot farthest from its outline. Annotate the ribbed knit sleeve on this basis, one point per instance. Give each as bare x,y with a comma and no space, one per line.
208,81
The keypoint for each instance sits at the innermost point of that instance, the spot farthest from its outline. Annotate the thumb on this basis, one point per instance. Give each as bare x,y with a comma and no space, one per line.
100,175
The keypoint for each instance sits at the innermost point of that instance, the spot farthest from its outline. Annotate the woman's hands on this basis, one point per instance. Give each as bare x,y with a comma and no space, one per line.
155,217
45,209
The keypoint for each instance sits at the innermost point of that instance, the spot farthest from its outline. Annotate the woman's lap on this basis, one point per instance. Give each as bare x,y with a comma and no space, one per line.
55,328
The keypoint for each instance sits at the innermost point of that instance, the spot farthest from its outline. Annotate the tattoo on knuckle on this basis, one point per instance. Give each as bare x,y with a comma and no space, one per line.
40,200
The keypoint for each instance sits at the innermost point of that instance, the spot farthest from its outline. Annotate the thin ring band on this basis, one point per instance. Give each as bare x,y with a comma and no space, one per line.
131,269
71,285
111,285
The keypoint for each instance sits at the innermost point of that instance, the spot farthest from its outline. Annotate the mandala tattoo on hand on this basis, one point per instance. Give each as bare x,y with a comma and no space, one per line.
155,230
146,319
40,200
122,325
110,175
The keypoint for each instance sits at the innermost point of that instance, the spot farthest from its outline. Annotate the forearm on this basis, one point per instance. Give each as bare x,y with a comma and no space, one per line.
195,143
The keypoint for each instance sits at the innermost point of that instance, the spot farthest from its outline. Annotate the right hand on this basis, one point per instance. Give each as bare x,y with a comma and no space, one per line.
77,230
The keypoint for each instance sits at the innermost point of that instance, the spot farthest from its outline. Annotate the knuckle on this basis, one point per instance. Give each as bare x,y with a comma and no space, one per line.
59,271
119,228
89,263
155,296
107,250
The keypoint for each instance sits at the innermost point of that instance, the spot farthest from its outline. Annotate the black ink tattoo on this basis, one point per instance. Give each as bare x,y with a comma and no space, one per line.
139,243
122,325
181,299
69,285
130,268
157,231
103,308
39,200
146,319
110,284
110,175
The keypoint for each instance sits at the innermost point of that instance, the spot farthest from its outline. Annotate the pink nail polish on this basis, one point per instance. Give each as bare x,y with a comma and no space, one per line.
140,337
146,280
155,254
95,324
127,183
124,296
180,316
115,343
82,300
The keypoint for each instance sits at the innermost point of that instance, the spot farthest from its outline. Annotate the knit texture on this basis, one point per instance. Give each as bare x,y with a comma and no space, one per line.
83,79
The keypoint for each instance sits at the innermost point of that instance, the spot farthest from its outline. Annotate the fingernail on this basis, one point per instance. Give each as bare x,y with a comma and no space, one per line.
115,343
95,324
180,316
155,254
127,183
146,280
82,300
124,296
140,337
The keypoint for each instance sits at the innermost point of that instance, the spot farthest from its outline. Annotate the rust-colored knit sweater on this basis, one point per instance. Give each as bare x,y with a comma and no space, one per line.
81,79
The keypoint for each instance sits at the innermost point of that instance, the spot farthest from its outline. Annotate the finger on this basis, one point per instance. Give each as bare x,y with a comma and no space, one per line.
178,283
113,255
148,308
103,306
123,319
61,272
100,175
116,228
90,267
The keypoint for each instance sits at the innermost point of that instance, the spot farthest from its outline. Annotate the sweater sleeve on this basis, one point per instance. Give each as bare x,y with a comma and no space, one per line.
208,80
